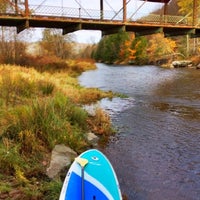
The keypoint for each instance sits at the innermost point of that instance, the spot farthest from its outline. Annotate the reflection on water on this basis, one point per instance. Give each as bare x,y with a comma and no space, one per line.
156,152
179,110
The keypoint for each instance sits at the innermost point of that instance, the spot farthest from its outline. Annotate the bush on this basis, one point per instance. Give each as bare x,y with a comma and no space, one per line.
100,123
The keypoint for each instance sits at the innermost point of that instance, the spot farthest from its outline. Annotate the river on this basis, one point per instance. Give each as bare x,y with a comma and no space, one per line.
156,150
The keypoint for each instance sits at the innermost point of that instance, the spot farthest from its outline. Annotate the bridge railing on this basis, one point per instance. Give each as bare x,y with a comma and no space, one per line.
162,19
73,12
106,15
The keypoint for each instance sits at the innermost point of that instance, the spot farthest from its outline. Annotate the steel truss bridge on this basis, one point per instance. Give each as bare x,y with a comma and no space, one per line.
22,15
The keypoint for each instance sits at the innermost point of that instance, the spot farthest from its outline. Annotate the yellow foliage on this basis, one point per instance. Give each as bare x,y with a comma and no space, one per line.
126,53
159,46
20,176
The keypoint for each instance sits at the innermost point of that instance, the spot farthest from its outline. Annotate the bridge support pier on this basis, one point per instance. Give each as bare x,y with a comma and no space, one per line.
189,32
149,31
114,30
23,26
72,28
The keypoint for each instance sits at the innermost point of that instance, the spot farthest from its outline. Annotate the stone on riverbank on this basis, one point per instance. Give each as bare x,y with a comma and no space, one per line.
181,63
92,138
61,157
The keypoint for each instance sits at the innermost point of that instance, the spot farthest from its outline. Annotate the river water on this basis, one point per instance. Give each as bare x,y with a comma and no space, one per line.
156,150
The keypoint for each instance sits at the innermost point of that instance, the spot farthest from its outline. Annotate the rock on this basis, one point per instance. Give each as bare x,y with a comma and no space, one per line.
61,157
181,63
92,138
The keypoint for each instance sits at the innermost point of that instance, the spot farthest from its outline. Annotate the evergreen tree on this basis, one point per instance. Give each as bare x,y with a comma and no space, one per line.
108,49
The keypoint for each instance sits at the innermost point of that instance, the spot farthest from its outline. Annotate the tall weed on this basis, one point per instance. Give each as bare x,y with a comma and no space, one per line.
10,158
54,120
15,87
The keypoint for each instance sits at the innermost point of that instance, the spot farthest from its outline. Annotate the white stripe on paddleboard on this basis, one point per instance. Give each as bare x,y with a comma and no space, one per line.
98,185
87,177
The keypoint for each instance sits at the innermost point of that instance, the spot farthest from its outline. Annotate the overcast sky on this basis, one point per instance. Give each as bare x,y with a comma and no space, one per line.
84,36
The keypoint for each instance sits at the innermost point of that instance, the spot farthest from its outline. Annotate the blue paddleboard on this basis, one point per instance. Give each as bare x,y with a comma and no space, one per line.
91,177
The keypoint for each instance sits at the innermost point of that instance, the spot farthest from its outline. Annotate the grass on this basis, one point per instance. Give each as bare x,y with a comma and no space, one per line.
39,109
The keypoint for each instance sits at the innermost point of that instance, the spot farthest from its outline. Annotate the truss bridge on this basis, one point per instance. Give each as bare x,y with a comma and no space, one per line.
24,14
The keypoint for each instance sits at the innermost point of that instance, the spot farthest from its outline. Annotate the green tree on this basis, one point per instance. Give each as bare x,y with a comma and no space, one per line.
140,44
109,47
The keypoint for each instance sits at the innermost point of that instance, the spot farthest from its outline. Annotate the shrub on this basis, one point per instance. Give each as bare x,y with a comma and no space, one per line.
100,123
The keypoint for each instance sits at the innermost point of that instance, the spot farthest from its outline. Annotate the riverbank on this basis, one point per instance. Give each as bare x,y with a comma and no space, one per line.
39,110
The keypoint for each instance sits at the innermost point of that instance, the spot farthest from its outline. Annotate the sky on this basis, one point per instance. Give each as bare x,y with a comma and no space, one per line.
87,36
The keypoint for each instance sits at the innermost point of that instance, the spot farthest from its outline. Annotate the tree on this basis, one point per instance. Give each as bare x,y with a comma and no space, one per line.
139,44
185,6
53,43
109,48
160,46
11,48
126,53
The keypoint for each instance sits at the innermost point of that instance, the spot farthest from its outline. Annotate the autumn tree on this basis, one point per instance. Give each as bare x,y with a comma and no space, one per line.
160,46
185,6
126,52
139,44
54,43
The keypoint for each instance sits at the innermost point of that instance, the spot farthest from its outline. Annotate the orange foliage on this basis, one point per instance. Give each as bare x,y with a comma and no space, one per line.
126,53
132,54
159,46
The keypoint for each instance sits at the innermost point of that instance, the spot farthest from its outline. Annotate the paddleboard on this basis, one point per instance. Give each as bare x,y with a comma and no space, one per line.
91,177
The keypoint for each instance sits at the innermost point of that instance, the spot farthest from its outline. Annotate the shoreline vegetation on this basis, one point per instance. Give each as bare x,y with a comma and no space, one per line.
40,108
128,49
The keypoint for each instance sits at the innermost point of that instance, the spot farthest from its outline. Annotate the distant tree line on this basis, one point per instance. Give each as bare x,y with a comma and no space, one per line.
126,48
